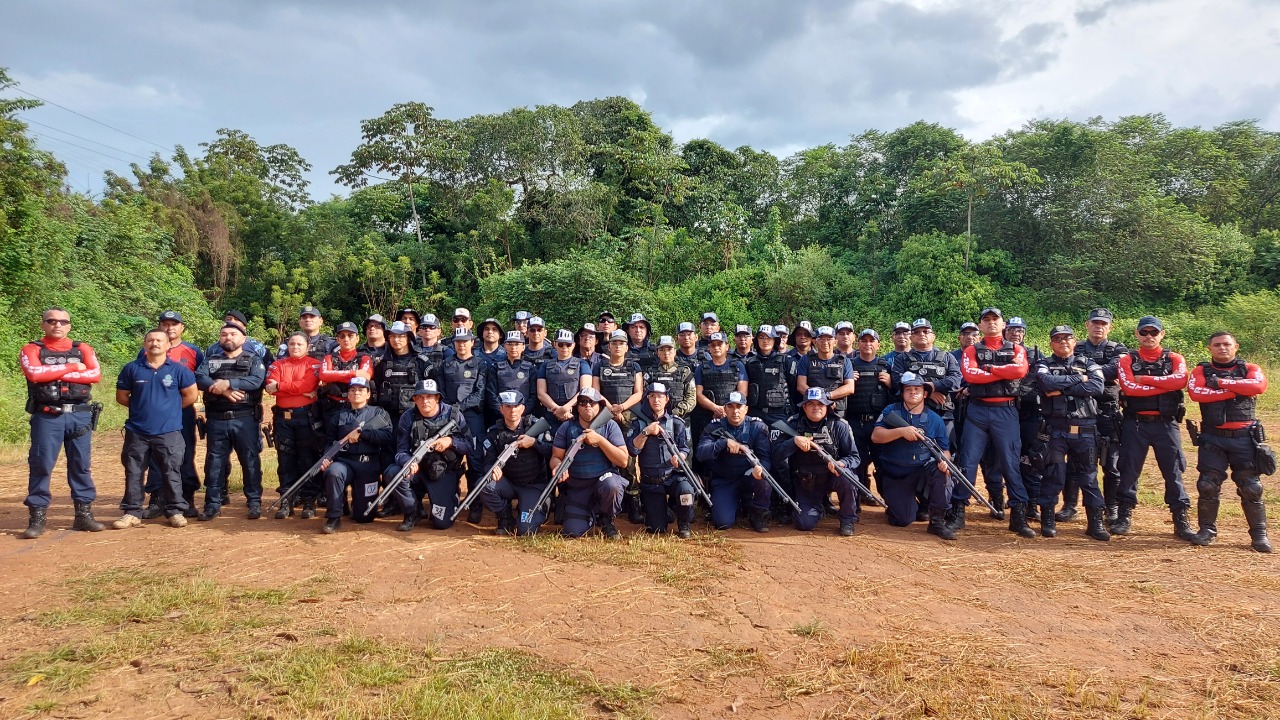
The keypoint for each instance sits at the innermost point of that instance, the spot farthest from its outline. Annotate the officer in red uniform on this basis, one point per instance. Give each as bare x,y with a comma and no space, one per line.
59,374
294,380
1227,389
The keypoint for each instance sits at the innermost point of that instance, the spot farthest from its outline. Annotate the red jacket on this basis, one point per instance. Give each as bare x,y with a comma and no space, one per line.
1148,385
1229,388
37,373
975,375
297,377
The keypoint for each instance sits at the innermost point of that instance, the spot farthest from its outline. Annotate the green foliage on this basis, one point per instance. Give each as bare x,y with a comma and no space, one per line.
566,292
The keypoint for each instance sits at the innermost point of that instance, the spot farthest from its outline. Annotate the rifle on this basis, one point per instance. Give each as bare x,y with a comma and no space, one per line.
895,420
755,462
845,473
507,453
605,416
670,442
414,459
329,454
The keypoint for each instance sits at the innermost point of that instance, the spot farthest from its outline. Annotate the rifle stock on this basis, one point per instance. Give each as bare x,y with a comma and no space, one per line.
507,453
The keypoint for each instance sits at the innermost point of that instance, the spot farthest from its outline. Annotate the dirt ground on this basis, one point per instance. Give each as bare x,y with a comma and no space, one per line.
889,623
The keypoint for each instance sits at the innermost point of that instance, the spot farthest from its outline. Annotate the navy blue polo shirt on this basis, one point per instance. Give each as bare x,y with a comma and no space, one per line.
155,395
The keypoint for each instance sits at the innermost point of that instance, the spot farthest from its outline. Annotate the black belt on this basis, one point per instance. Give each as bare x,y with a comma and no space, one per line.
229,414
655,479
995,403
1242,432
1151,418
356,458
67,408
290,413
867,418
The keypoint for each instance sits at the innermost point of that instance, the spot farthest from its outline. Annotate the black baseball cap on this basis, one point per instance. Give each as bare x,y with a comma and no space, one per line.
171,315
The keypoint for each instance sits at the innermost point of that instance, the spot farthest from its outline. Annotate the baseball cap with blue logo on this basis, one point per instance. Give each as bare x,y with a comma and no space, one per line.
358,382
817,394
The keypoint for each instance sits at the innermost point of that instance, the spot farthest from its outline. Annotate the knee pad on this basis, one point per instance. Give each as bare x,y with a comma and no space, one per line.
1209,484
1250,489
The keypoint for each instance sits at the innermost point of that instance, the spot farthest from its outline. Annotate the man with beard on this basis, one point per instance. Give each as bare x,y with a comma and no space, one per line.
232,385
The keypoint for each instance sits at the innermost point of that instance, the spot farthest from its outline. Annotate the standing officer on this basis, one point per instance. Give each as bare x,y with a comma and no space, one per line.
621,384
844,339
768,384
436,477
742,344
827,370
538,349
525,474
251,344
232,384
340,366
410,318
707,326
461,320
872,386
676,377
511,373
1151,383
520,321
783,333
1227,389
605,325
592,488
155,389
310,321
901,342
662,486
375,338
397,375
813,478
733,477
640,343
429,344
907,473
688,352
560,379
1032,461
994,369
59,372
939,369
713,379
491,341
462,383
586,346
294,380
360,462
1071,385
191,356
1106,353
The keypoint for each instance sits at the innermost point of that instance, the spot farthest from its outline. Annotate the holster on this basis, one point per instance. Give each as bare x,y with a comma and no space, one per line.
93,419
1194,431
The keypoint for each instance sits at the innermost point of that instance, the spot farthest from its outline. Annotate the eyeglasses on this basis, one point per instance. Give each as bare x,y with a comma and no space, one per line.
58,322
1148,332
564,345
586,403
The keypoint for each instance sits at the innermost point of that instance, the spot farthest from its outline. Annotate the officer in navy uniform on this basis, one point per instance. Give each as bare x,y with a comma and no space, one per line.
640,342
768,384
733,478
59,373
939,369
592,488
662,485
813,478
827,370
436,477
707,326
232,384
909,475
587,341
560,379
511,373
872,391
309,322
1227,389
538,350
621,384
398,373
375,337
429,344
359,465
1030,421
1106,353
901,342
490,340
461,380
742,344
687,350
523,477
1072,385
714,378
676,377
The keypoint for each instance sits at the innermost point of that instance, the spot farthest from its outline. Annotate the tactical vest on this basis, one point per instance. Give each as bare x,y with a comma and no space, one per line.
225,368
1063,406
372,416
1003,355
541,355
691,360
424,429
375,353
870,396
433,354
617,383
807,467
564,378
1167,404
718,382
768,390
1028,393
646,356
458,378
526,466
400,373
1104,355
514,377
58,392
320,345
338,391
828,375
677,381
1238,408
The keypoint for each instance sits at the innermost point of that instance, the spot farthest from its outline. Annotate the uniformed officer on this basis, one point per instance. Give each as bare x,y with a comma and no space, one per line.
429,344
359,465
994,369
782,332
538,350
687,350
511,373
1227,389
310,321
411,319
520,321
523,477
1072,385
742,344
844,339
251,345
662,485
802,340
560,379
587,340
375,337
708,325
592,488
436,477
461,320
827,370
605,325
621,384
397,375
901,342
340,366
733,479
491,337
640,343
462,383
294,380
676,377
232,385
1151,383
907,473
872,391
713,379
1106,353
1032,461
768,382
813,478
191,356
155,389
939,369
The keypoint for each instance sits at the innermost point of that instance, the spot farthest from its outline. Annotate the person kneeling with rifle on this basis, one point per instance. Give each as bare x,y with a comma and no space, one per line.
516,454
736,448
592,453
664,482
367,432
910,473
431,441
820,435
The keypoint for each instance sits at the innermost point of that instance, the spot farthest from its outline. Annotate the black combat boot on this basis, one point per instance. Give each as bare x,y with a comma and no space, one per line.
255,509
606,527
683,531
955,516
846,528
1256,514
1018,521
308,508
331,526
153,509
1207,517
1097,528
759,522
1124,520
35,526
506,522
410,518
635,514
1066,513
997,501
1033,513
286,509
190,498
938,524
1048,521
1070,498
84,518
475,513
1181,525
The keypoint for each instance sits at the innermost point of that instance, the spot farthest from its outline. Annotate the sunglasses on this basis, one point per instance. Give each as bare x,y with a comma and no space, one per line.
586,403
57,321
1148,332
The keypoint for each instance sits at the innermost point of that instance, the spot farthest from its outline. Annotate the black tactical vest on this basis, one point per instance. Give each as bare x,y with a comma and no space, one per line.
646,356
400,373
321,345
768,390
1238,408
1104,355
809,466
1167,404
58,392
520,376
458,378
870,396
1063,406
222,367
718,382
564,378
617,383
1003,355
526,466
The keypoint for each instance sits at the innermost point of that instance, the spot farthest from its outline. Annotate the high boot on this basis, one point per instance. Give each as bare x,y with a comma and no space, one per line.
286,509
506,522
410,518
1097,528
1033,513
1070,498
1018,521
1256,513
475,513
1207,517
759,522
1109,489
635,514
1181,525
955,516
84,518
308,508
938,524
1048,521
1124,520
997,501
35,526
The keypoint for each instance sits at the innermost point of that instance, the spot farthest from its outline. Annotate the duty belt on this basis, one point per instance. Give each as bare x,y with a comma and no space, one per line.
1151,418
229,414
1242,432
301,412
655,479
68,408
995,403
356,458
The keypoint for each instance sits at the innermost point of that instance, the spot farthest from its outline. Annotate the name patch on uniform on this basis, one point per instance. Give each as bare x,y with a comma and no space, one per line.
437,512
371,489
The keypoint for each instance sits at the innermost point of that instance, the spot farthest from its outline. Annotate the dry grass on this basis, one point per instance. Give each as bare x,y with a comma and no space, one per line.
693,565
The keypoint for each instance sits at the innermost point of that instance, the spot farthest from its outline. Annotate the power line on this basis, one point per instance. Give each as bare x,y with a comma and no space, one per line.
82,147
95,142
86,117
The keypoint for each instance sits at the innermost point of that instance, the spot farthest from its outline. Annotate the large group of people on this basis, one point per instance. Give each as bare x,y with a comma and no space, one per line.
573,428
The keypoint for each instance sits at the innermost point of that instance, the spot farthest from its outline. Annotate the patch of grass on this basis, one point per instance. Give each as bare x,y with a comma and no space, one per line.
812,629
693,564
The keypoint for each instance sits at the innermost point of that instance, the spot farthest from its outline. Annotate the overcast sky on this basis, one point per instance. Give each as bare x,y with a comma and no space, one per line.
772,74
